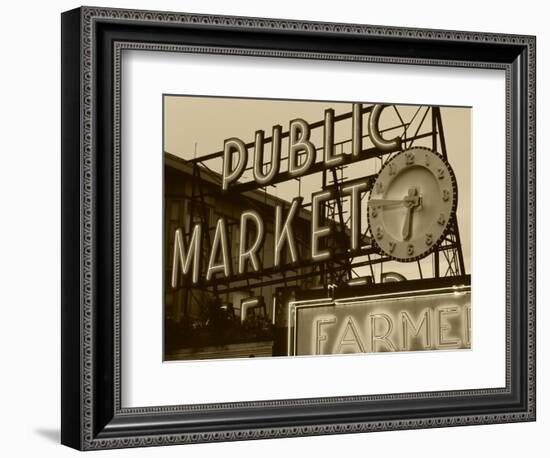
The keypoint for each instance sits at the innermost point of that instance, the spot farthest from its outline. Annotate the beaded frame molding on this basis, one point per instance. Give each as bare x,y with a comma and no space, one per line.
92,42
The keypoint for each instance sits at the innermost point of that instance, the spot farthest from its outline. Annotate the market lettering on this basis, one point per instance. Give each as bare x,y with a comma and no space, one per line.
250,254
376,336
301,155
283,231
182,259
220,250
407,323
433,328
350,336
186,259
301,152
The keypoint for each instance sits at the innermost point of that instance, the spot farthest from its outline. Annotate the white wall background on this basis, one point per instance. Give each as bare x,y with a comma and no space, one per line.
30,229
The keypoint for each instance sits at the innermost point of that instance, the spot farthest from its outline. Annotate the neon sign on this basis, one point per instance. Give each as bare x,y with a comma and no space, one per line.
423,320
301,157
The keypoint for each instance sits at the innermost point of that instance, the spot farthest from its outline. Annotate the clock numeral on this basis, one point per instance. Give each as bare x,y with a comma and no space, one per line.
441,219
379,232
392,247
446,195
374,212
410,249
440,173
409,158
379,187
428,159
429,239
392,169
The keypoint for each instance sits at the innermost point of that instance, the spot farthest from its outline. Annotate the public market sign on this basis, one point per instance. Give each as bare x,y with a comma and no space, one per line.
299,161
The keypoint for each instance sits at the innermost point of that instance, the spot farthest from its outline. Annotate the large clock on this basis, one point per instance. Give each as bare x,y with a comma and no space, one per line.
412,204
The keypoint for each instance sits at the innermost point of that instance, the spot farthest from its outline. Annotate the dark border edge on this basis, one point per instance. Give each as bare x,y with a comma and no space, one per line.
70,229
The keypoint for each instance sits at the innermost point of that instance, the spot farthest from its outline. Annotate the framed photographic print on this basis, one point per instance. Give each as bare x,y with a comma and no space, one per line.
278,228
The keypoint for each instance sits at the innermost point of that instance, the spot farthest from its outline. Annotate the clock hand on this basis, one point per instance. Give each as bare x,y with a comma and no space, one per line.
412,201
386,202
406,232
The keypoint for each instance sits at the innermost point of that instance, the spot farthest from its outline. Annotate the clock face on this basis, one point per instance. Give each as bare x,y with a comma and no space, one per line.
411,204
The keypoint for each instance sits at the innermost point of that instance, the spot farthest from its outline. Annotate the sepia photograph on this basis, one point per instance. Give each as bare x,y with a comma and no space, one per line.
308,228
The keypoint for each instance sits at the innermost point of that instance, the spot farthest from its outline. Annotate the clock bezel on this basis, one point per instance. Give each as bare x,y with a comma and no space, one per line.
449,222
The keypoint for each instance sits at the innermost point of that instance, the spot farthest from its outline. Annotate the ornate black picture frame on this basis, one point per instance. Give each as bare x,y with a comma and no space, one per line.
92,42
